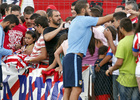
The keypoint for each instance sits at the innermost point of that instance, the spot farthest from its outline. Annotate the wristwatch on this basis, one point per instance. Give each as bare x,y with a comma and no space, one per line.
99,65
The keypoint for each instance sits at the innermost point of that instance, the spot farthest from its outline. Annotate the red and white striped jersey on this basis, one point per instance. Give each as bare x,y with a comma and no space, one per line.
136,45
40,43
134,20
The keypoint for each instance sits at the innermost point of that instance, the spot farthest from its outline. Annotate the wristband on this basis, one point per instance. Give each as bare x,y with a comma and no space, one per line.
14,53
99,65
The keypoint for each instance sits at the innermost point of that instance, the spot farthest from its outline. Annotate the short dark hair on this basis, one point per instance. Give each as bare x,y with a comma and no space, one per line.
48,10
73,4
42,20
8,6
16,8
119,15
33,34
134,4
2,8
22,19
113,31
102,50
126,23
79,5
70,18
95,12
12,19
100,8
50,13
121,6
29,10
61,39
34,16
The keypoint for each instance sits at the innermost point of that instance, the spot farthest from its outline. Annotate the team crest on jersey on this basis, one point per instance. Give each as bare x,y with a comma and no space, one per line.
80,82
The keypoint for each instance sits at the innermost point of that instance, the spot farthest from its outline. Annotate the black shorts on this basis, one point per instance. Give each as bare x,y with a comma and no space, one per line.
72,71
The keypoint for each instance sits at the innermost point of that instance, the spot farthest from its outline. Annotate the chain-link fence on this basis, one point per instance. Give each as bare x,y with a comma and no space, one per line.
114,87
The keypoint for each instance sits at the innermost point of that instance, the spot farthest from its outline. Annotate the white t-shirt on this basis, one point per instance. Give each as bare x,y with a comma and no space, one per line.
114,59
136,46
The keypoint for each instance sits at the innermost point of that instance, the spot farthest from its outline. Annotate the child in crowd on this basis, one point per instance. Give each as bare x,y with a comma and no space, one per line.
30,39
59,53
62,49
102,85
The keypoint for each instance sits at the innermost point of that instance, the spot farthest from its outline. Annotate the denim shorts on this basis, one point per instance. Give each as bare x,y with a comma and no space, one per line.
129,93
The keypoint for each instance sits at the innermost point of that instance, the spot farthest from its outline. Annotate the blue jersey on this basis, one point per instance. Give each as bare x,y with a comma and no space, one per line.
80,33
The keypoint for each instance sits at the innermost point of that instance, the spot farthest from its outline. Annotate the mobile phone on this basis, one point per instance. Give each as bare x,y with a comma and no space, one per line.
66,25
128,14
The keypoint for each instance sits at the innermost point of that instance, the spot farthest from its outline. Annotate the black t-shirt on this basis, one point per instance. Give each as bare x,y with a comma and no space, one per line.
50,45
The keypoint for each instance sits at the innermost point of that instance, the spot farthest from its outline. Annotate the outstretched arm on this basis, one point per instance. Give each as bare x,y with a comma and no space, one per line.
137,13
49,36
104,19
40,57
104,61
117,65
108,35
52,65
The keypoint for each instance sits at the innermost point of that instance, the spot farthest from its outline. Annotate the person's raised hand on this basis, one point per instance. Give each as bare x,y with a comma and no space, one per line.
107,33
97,68
109,71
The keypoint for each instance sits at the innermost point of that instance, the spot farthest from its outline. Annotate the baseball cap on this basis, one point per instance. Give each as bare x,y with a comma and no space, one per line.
51,7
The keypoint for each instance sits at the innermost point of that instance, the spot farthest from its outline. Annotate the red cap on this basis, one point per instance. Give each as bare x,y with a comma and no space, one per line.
51,7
